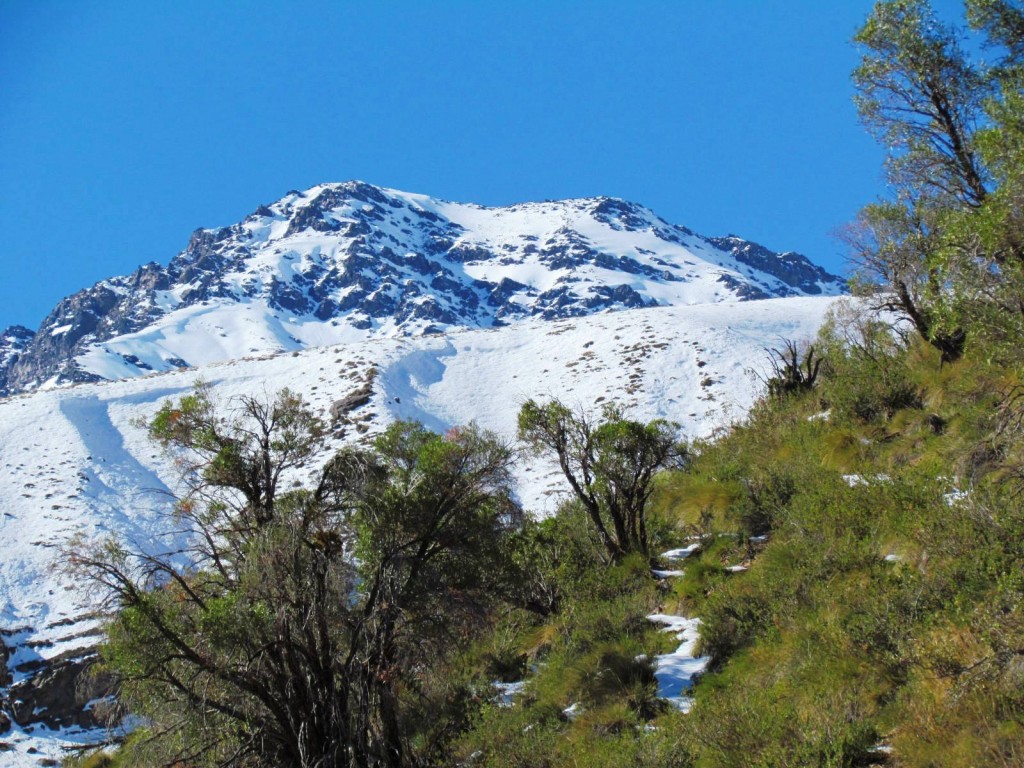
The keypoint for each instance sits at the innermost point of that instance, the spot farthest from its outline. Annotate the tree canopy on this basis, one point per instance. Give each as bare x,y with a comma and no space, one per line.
945,248
609,465
304,628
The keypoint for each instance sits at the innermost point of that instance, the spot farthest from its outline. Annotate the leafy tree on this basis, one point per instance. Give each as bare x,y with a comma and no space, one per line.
431,541
866,376
610,465
240,456
947,249
307,621
922,98
990,241
895,246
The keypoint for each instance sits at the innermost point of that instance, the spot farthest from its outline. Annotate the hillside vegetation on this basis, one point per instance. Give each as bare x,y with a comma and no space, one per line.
856,545
879,620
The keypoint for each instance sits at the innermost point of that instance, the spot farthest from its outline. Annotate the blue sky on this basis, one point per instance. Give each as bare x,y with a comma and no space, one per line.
126,125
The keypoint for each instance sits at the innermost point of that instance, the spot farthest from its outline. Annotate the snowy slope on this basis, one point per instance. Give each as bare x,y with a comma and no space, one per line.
349,262
453,312
78,464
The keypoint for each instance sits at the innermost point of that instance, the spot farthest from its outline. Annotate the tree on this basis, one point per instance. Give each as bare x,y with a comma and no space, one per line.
305,620
610,465
922,98
896,247
947,249
432,544
239,456
993,237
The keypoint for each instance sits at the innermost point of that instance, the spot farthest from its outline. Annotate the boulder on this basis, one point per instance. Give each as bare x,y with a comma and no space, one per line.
351,401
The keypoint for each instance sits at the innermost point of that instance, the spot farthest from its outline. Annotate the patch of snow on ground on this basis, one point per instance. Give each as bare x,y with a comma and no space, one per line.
507,692
682,553
856,480
658,574
30,749
954,497
676,672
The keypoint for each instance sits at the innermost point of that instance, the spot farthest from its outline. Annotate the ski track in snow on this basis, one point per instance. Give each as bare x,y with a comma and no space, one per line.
77,462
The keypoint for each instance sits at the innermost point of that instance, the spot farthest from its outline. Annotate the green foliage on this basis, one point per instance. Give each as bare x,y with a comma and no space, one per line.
610,466
866,377
920,95
99,759
245,450
312,625
947,250
592,652
880,609
876,609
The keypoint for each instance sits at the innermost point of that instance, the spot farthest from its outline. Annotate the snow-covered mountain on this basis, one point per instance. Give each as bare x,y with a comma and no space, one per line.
77,463
375,305
347,262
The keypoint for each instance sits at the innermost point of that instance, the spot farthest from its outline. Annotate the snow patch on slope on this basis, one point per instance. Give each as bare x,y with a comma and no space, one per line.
676,672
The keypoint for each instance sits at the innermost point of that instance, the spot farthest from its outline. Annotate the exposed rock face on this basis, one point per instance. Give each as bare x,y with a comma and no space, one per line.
58,695
793,269
375,261
13,343
356,399
111,308
5,655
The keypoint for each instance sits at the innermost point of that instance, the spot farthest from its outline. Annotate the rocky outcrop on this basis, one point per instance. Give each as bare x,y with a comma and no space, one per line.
60,695
5,655
341,407
14,341
110,308
357,398
62,692
793,269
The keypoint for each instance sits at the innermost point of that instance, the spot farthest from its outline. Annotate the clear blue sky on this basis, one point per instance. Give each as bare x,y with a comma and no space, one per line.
126,125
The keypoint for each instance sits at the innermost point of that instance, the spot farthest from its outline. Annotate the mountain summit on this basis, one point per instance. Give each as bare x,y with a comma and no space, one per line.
346,262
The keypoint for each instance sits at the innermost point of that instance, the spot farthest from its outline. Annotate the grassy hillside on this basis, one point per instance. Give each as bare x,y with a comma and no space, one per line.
879,618
878,621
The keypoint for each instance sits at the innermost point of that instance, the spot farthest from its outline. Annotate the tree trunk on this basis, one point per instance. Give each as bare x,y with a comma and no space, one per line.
950,345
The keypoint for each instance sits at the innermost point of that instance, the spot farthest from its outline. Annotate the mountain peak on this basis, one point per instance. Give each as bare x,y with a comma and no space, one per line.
350,260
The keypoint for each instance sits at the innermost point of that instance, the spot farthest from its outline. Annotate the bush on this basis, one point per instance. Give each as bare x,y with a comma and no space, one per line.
865,377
